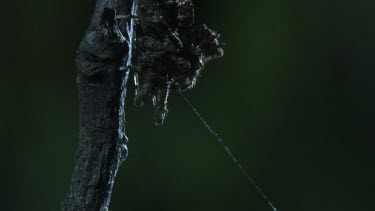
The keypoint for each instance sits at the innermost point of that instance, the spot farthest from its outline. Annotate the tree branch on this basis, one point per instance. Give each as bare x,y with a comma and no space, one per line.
100,149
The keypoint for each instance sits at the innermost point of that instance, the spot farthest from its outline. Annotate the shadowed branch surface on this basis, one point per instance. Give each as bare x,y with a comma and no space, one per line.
100,150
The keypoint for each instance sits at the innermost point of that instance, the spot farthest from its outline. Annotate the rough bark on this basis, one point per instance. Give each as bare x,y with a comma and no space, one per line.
100,149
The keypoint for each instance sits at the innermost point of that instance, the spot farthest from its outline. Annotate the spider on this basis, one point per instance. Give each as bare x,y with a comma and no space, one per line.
170,51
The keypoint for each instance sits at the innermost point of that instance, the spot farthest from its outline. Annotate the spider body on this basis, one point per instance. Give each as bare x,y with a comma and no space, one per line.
171,51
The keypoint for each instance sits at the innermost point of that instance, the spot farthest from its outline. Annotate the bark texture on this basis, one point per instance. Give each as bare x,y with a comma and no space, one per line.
100,149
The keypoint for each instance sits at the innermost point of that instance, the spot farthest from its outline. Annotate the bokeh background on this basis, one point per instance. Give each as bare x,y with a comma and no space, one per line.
294,98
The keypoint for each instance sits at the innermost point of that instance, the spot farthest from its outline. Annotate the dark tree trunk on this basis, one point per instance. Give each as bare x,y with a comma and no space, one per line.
101,147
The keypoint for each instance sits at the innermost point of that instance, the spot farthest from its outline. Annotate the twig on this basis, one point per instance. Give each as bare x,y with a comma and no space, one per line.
100,149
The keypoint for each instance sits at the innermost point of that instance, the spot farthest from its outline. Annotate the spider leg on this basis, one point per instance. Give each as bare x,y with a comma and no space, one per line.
190,81
136,83
142,93
160,102
133,68
126,17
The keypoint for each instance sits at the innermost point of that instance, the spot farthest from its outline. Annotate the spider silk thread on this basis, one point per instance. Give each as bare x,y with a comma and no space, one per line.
227,150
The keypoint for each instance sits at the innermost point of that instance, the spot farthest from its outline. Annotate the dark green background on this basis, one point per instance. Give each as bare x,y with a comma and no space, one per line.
294,98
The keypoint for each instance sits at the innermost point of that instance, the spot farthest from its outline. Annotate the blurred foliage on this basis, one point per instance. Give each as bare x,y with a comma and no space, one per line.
293,97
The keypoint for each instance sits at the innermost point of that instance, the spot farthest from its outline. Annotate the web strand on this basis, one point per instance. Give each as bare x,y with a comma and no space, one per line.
220,140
